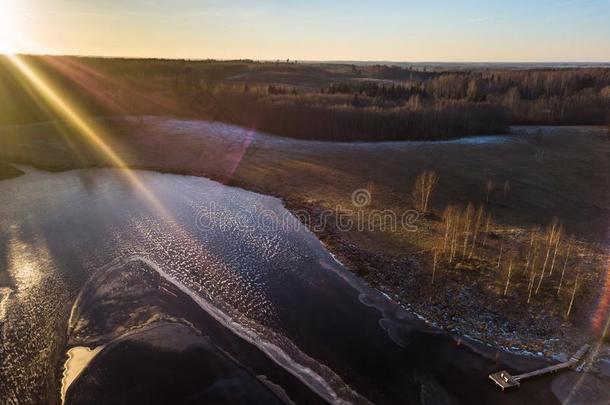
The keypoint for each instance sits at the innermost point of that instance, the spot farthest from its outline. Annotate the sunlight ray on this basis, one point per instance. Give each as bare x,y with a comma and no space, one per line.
70,114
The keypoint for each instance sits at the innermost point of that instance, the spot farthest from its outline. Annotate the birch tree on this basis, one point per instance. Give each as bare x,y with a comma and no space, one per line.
425,184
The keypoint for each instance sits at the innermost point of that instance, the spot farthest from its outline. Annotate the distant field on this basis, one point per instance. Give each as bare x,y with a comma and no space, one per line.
473,66
323,101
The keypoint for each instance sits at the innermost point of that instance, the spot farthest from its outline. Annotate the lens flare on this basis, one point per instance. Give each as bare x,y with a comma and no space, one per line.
9,28
6,37
601,315
71,115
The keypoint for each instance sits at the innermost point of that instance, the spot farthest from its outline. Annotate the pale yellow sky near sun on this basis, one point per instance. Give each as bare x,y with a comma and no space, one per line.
392,30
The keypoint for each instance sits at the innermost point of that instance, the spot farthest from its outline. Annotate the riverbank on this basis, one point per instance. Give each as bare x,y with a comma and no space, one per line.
467,301
552,172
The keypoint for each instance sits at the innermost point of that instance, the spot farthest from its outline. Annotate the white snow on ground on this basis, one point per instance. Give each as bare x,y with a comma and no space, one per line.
233,133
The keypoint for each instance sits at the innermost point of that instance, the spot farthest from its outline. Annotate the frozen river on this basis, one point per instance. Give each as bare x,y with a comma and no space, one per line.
212,280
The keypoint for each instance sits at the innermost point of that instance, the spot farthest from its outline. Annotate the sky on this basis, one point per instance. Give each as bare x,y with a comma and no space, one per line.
391,30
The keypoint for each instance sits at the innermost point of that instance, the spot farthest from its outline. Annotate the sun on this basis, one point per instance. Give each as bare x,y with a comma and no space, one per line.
8,27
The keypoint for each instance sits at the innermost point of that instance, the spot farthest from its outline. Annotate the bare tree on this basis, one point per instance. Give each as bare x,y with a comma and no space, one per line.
434,261
425,184
573,294
454,234
565,264
557,243
506,188
489,188
531,287
500,254
477,226
487,224
534,258
448,217
467,221
510,273
550,240
530,250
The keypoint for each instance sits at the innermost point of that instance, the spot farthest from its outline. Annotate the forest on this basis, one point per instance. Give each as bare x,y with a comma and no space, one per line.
338,102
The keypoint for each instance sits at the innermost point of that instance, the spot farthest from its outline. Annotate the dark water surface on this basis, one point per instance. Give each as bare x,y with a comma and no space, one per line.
221,298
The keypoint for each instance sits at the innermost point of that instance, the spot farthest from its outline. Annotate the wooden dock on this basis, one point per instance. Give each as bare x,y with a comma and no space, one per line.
505,380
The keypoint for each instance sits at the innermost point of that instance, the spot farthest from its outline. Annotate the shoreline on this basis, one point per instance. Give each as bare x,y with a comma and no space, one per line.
354,258
313,177
78,359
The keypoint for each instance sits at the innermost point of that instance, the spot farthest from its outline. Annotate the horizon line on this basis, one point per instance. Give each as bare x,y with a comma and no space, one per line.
330,61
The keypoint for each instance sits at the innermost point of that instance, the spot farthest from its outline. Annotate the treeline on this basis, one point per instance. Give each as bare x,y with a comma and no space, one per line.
546,97
347,123
543,97
325,102
394,92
